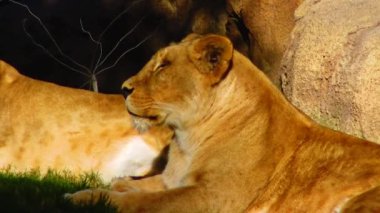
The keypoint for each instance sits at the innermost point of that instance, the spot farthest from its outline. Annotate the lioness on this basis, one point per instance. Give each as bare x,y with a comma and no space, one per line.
43,125
239,144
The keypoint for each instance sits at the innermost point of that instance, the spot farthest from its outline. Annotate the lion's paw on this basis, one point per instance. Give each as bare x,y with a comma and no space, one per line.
123,185
88,196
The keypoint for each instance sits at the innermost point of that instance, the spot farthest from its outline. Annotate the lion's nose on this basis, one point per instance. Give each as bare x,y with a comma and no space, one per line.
126,91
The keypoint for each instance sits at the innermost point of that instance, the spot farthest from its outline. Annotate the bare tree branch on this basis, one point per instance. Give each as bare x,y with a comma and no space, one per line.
91,71
94,83
49,35
124,53
108,27
118,43
88,33
117,18
49,53
85,83
98,43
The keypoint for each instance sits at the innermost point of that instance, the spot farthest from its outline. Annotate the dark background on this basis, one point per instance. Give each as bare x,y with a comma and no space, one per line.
61,18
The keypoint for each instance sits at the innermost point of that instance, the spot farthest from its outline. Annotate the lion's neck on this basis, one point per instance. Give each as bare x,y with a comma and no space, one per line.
246,118
245,105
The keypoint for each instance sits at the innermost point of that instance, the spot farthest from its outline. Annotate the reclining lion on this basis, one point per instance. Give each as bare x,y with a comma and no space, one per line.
239,144
43,125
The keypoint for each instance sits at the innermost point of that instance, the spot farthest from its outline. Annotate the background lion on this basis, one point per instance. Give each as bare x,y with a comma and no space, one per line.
239,144
43,126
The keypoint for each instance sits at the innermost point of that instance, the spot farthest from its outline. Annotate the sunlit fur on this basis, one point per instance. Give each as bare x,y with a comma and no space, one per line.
43,125
239,144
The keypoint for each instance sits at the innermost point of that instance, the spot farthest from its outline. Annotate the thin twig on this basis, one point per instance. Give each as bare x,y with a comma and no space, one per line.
118,43
98,43
50,54
49,35
109,26
88,33
85,83
122,55
117,18
99,57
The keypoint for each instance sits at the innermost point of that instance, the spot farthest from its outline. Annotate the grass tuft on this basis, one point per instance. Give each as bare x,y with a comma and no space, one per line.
32,191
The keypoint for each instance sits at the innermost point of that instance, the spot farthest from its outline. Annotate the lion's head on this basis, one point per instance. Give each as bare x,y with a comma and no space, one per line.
175,81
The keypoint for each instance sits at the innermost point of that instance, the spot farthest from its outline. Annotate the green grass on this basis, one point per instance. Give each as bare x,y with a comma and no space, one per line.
32,192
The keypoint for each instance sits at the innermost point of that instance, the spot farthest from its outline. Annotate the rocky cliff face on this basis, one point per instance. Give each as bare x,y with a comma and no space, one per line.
269,24
331,68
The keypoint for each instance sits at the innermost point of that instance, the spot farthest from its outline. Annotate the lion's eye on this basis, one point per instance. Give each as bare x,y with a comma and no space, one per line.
161,65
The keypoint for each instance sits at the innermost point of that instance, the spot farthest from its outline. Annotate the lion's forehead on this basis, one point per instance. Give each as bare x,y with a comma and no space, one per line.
171,52
168,54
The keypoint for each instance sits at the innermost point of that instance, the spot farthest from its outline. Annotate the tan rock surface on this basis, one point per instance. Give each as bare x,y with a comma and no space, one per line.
331,69
269,23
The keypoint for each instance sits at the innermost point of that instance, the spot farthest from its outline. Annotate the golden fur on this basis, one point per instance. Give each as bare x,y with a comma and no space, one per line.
43,126
239,144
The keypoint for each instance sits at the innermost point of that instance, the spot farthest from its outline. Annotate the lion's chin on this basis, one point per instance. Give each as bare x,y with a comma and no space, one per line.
142,123
144,119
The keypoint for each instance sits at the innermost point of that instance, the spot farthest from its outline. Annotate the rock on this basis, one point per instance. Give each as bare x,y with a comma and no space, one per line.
269,23
331,69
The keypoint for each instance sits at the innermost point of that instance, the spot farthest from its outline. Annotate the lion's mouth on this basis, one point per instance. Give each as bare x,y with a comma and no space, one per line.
150,117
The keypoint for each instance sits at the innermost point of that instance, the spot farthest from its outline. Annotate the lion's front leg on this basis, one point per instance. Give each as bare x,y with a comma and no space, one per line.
184,199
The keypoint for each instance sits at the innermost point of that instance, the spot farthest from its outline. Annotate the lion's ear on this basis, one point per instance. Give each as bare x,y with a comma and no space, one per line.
212,56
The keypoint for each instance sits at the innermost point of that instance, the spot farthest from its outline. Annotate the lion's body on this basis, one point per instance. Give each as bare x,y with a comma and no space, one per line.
48,126
239,144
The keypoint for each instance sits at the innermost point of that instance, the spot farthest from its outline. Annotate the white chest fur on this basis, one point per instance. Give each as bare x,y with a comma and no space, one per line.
135,158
